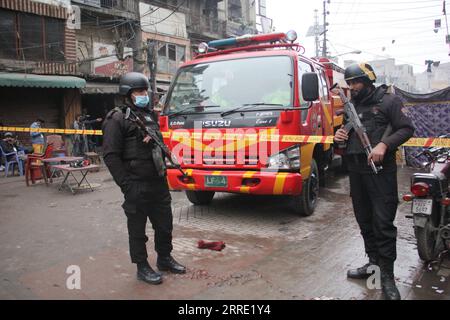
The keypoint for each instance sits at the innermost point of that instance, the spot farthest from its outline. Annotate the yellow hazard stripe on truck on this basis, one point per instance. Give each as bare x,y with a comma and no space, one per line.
413,142
279,183
247,175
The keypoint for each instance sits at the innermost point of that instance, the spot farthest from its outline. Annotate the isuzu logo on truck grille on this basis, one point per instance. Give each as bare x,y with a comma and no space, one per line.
216,123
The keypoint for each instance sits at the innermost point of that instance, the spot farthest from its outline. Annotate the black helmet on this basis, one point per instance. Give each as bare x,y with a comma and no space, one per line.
132,80
361,70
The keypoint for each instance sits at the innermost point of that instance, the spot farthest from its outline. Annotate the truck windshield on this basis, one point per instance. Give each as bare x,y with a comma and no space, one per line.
229,84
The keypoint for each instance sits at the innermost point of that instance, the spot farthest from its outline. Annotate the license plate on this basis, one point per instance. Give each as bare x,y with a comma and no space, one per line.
422,206
216,181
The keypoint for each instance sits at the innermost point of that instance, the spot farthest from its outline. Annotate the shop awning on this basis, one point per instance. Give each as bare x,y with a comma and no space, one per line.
39,81
100,88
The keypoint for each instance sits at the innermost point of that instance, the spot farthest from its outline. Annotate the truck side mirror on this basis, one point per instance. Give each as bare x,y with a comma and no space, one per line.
310,86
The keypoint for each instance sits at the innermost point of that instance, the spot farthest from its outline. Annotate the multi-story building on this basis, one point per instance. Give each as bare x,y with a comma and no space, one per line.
100,40
176,27
108,41
118,36
37,55
388,72
437,79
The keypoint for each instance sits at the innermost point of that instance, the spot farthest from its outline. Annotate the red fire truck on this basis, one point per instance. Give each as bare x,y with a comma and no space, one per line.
232,115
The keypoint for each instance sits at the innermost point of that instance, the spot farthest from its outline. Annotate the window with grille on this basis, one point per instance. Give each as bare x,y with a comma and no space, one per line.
30,37
170,57
235,10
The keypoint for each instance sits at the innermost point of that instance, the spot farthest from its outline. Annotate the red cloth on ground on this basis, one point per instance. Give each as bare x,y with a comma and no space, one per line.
213,245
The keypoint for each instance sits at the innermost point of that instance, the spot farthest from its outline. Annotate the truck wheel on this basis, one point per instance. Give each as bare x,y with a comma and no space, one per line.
200,197
305,203
426,242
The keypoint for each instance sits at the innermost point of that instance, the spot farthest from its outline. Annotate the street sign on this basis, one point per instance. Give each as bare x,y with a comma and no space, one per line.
74,18
437,23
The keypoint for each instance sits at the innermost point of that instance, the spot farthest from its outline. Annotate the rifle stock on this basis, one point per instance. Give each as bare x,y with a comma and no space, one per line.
154,136
355,123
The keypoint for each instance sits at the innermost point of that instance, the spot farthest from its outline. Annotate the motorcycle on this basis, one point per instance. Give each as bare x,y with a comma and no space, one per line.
431,203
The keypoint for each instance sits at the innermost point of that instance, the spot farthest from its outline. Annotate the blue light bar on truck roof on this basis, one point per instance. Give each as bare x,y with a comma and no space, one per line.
222,43
259,38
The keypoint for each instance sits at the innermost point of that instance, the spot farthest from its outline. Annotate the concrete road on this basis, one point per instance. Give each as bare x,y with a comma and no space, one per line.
270,253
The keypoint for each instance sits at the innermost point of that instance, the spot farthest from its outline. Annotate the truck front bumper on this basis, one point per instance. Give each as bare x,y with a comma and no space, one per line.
252,182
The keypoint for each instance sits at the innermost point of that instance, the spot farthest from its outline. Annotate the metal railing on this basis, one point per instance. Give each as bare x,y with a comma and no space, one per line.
205,25
127,5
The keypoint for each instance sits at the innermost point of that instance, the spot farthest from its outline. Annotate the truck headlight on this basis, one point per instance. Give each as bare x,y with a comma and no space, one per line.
279,161
286,159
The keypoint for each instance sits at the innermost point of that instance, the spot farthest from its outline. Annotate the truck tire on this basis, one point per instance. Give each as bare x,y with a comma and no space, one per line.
426,241
305,203
200,197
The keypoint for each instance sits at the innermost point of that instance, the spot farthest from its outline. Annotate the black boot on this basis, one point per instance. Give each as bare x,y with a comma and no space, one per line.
388,286
168,263
361,272
147,274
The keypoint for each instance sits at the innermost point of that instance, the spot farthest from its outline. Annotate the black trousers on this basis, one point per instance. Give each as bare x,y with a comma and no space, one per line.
375,201
148,200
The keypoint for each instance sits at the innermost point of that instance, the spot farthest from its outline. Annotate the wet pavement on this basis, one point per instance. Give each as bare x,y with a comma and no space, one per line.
270,253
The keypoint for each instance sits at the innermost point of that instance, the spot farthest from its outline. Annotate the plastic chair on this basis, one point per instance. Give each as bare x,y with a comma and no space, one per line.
14,160
59,148
34,168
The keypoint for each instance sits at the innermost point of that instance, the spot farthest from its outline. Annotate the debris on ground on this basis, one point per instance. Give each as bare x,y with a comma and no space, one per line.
213,245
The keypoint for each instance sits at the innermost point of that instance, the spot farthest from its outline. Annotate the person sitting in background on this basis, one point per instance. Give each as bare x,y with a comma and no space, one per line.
11,144
37,138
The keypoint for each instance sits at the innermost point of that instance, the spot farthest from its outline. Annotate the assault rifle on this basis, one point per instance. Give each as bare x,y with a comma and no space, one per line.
132,116
354,123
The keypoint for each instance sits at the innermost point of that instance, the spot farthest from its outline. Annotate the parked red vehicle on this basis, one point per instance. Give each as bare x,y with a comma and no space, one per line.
252,86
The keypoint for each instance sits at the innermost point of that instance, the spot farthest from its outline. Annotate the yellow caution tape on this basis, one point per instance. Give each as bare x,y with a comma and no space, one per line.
181,135
51,130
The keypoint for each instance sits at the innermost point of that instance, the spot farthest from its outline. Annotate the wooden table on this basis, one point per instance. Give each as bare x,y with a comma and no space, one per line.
69,171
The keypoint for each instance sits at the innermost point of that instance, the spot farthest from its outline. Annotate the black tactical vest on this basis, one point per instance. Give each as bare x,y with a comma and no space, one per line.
373,115
142,160
134,147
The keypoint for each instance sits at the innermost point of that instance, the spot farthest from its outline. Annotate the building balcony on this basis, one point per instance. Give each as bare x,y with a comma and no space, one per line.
126,5
122,8
236,29
205,27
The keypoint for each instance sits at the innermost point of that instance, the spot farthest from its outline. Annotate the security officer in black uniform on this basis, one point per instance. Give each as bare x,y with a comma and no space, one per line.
137,166
375,196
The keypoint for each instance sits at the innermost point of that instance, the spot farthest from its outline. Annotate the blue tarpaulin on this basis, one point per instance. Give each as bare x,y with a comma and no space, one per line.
430,114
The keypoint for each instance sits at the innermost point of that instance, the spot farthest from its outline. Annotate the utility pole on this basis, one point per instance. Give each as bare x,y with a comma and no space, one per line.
151,60
447,38
316,30
325,24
